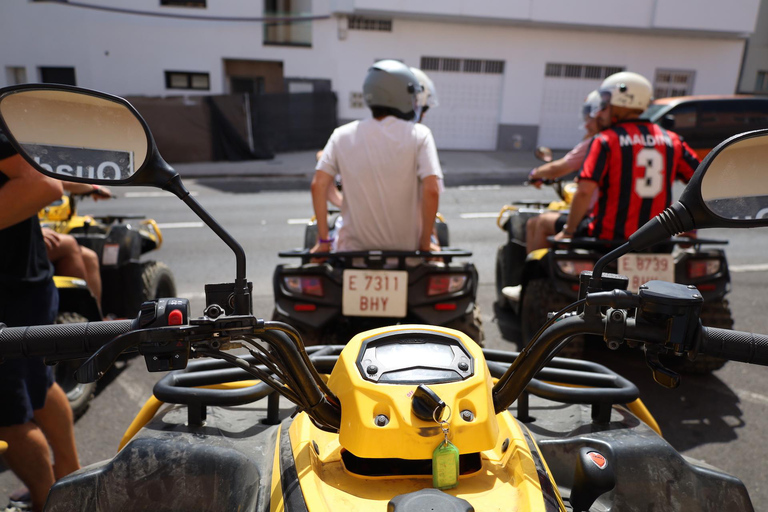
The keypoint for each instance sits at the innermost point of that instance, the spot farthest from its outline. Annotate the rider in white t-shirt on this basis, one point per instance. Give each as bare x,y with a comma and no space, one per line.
389,168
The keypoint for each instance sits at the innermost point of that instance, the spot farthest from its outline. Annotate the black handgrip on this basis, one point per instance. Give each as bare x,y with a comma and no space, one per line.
746,347
60,339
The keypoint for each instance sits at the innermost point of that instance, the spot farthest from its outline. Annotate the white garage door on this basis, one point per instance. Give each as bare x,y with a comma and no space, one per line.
565,88
470,101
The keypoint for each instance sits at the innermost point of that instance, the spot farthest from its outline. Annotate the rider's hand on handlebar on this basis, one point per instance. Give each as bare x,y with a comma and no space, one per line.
533,180
99,192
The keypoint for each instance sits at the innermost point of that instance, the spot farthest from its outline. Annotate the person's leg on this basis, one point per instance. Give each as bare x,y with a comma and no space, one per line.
28,457
93,273
67,258
57,423
545,226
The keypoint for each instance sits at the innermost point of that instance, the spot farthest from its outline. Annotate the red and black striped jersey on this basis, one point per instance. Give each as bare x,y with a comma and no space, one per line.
634,164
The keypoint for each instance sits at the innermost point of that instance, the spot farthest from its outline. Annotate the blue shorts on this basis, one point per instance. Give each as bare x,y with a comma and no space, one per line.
24,383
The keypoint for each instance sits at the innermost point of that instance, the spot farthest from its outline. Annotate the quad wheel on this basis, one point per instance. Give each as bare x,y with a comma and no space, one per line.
539,299
713,314
79,395
157,281
470,324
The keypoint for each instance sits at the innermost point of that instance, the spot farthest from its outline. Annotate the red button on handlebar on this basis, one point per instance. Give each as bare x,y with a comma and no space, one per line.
175,317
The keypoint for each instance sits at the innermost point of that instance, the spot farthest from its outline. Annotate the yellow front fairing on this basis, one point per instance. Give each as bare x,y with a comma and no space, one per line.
507,479
368,463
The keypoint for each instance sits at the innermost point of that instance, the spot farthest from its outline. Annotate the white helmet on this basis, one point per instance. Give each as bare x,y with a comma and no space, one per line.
591,105
628,90
427,98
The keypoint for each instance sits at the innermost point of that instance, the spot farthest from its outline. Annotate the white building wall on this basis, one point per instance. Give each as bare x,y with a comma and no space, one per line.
526,52
128,55
737,16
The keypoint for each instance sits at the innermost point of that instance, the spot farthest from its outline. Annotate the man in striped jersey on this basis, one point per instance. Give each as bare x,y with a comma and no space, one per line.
632,164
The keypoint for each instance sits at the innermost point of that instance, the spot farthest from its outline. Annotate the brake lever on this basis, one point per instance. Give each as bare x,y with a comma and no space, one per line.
661,374
149,341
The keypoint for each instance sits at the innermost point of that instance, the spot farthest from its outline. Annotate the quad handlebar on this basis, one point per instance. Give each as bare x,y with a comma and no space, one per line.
666,318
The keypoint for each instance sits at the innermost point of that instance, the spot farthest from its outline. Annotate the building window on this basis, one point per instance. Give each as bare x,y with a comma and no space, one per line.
183,3
761,84
50,75
583,71
187,80
287,32
15,75
356,100
462,65
672,82
361,23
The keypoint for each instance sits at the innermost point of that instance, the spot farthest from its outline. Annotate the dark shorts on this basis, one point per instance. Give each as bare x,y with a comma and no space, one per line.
581,230
24,383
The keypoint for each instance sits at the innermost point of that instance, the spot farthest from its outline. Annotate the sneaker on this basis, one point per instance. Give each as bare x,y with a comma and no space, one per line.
512,293
19,501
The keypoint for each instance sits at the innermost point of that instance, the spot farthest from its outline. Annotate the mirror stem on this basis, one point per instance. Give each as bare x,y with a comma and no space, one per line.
672,221
242,299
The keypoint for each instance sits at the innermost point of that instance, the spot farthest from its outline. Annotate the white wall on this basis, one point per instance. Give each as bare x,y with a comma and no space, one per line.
127,55
736,16
526,51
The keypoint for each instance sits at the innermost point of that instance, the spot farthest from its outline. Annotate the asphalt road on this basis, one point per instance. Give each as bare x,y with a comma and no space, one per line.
719,418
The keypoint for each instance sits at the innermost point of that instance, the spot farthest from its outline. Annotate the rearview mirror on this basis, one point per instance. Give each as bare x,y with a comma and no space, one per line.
74,134
730,187
543,153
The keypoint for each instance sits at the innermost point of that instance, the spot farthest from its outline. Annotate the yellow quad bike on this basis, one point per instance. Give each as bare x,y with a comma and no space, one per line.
120,241
127,281
405,418
547,280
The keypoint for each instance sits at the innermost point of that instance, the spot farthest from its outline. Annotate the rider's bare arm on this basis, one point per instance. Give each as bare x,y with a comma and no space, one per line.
320,184
430,200
25,192
553,170
579,207
86,188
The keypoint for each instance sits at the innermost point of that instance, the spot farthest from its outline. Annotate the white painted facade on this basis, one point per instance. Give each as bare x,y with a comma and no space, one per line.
128,54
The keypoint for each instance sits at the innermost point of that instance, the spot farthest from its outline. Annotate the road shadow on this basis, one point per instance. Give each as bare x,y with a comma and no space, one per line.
701,410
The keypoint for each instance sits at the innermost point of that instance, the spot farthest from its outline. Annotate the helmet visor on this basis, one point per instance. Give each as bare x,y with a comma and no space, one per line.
605,99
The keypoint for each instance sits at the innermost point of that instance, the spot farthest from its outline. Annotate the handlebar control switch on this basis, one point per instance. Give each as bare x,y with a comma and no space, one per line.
166,354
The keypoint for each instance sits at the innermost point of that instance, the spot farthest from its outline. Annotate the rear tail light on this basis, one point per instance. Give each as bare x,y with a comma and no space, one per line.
445,283
304,285
575,267
703,268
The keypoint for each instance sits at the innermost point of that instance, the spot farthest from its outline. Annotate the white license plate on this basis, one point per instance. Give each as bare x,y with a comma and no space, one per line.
641,268
375,293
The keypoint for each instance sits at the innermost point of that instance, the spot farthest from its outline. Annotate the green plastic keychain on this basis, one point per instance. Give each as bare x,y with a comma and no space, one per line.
445,461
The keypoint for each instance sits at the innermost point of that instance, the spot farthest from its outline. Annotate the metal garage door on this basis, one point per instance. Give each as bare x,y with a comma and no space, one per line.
565,88
469,92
